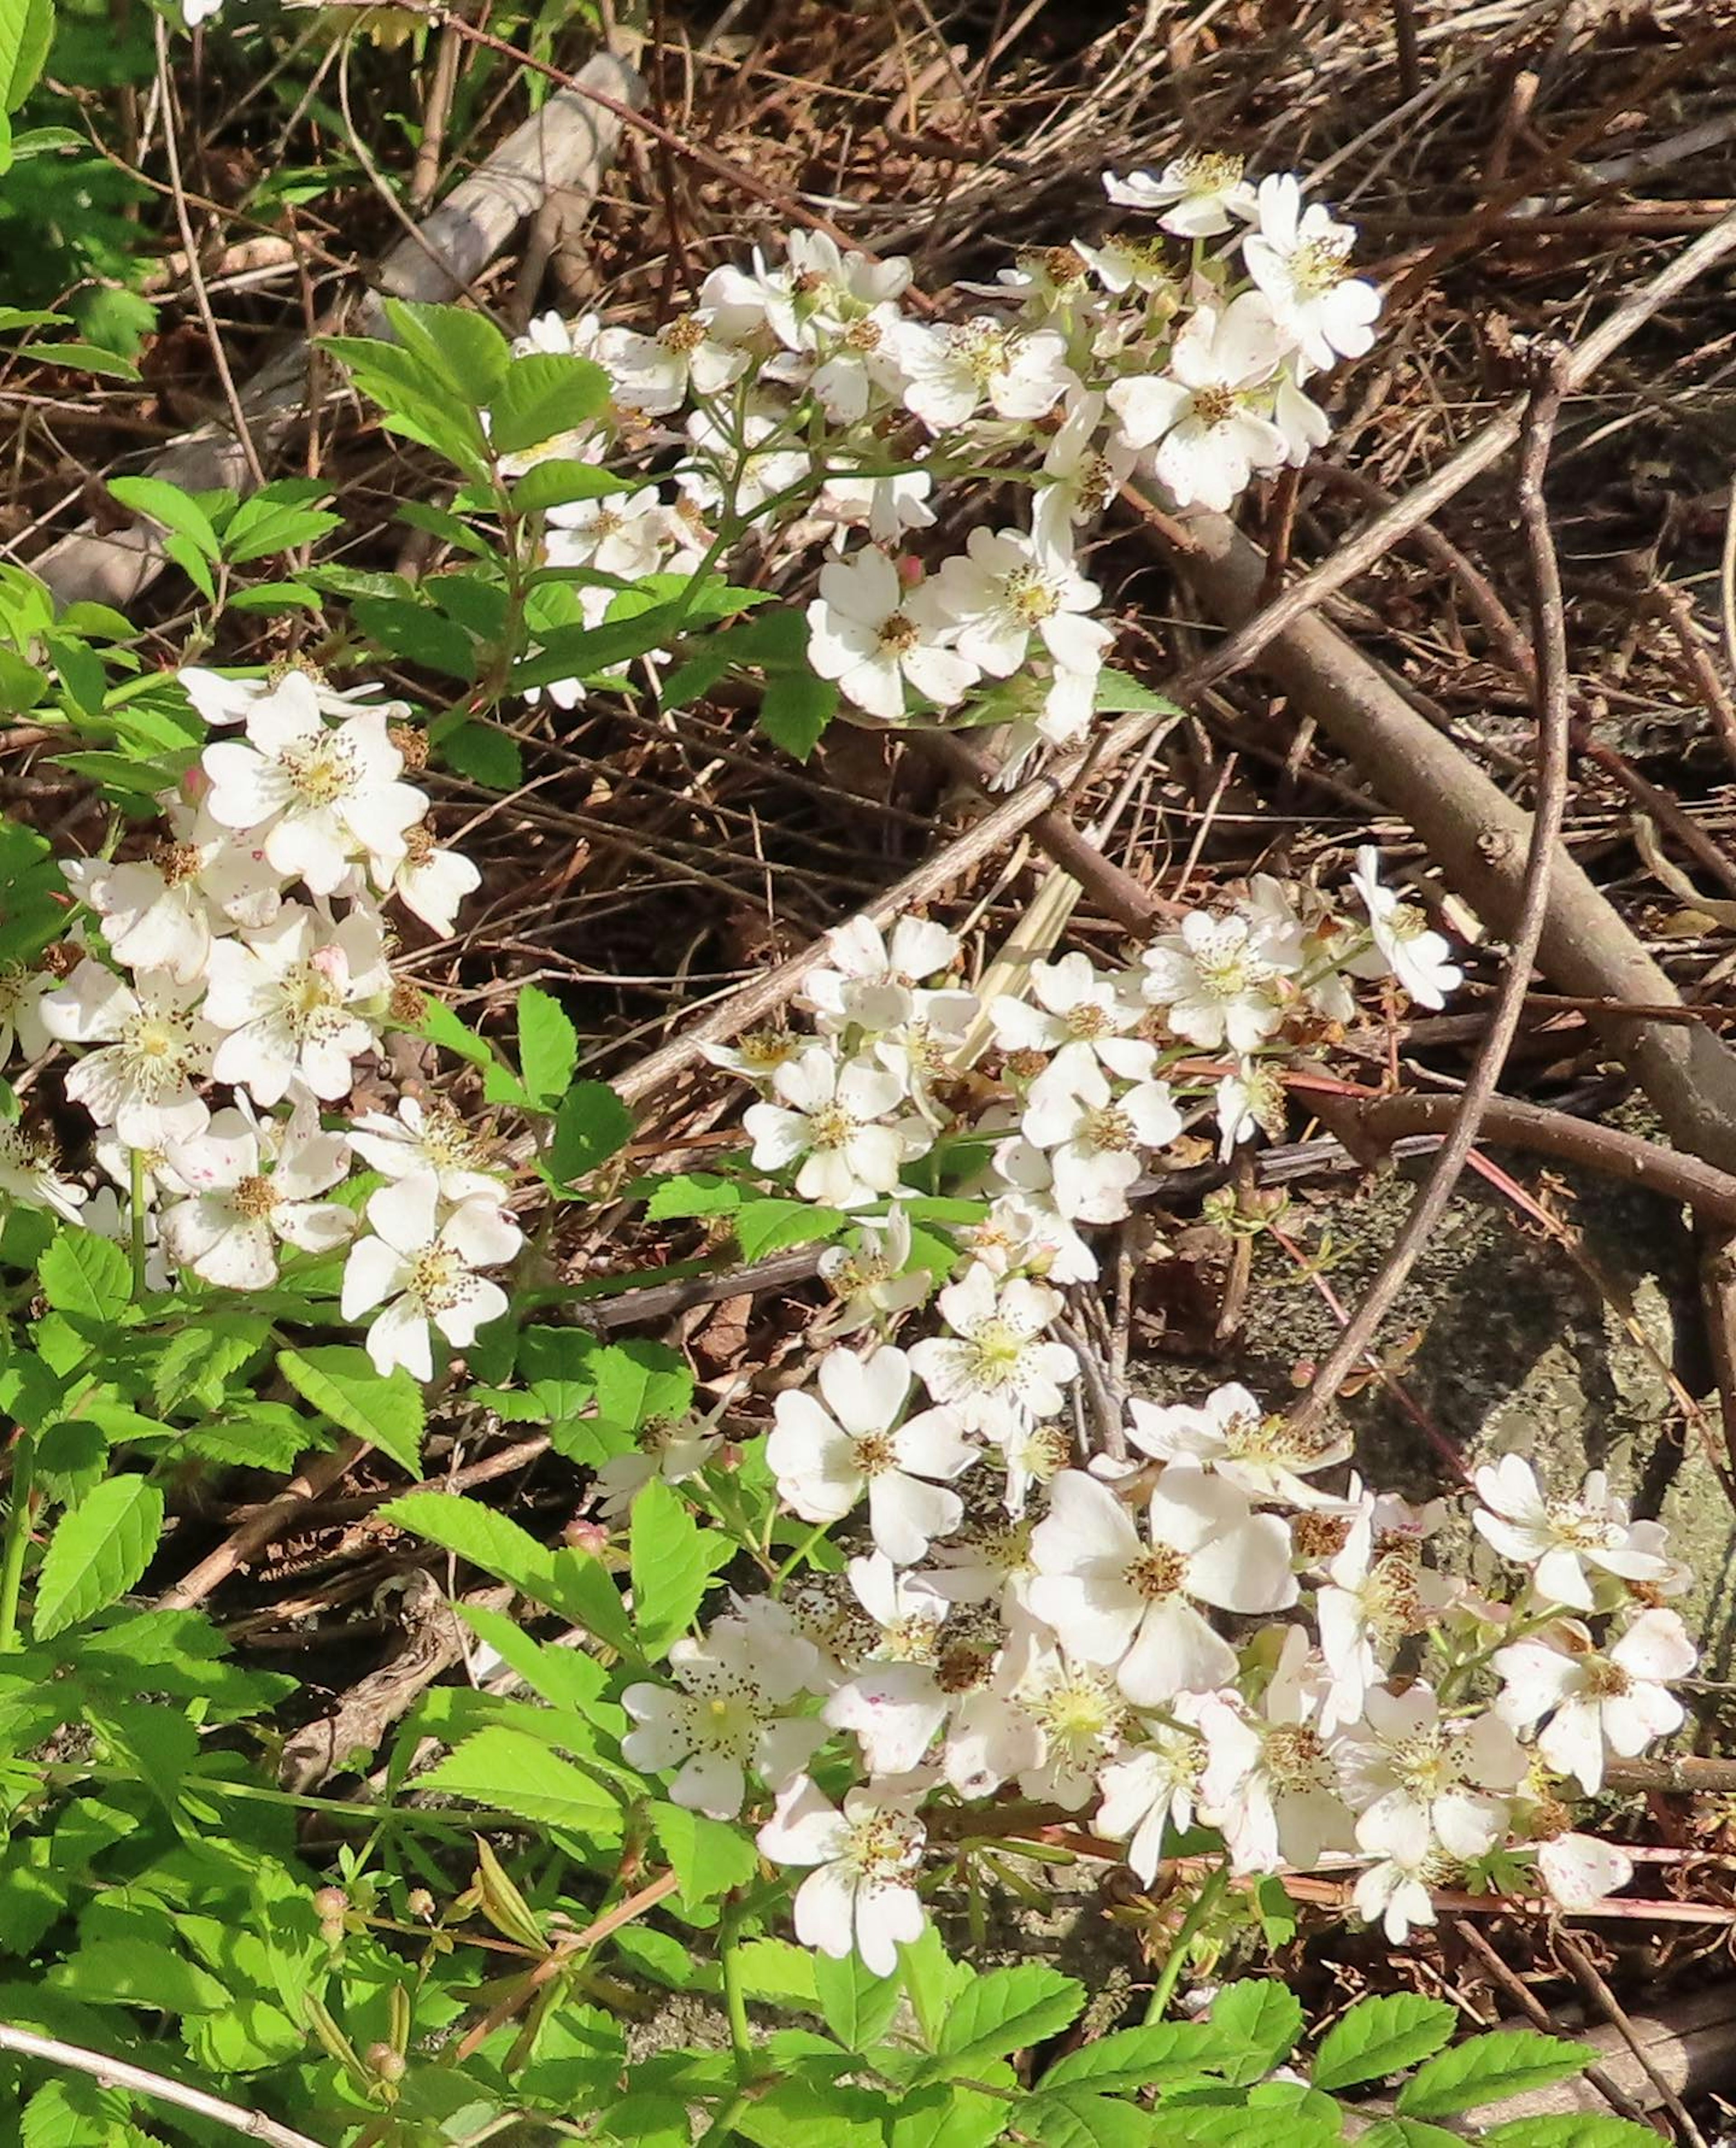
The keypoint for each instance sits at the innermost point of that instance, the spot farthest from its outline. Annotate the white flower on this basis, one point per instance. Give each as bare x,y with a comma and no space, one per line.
1394,1894
1417,957
655,374
1083,474
995,1367
1002,589
1093,1138
827,289
990,1564
674,1452
622,533
431,881
1206,417
1417,1780
1122,1598
156,912
1076,1005
154,1048
1251,1101
313,796
22,1027
220,699
1561,1539
1150,1791
873,1281
1300,259
1212,983
754,462
1025,1232
425,1138
1371,1600
878,987
872,635
952,370
834,1118
1196,195
824,1458
861,1894
252,1185
1270,1781
886,507
724,1715
30,1174
289,998
1230,1435
1615,1702
422,1271
1075,1709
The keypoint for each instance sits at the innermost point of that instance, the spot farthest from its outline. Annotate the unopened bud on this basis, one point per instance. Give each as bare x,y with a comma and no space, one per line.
419,1903
586,1536
331,1902
385,2064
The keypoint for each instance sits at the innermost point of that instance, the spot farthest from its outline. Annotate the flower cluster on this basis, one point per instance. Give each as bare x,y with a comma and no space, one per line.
219,993
814,401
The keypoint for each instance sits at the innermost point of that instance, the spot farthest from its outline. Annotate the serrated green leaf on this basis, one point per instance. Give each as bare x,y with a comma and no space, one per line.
858,2006
691,1193
778,1970
453,346
1139,2058
441,1027
1489,2069
97,1553
1381,2037
555,482
1005,2011
1563,2129
87,1276
168,504
544,395
547,1046
385,1408
637,1380
770,1227
1260,2019
591,1125
512,1773
708,1858
1119,694
138,1972
1408,2133
73,2112
804,2114
478,1533
947,2117
673,1560
196,1364
796,709
1078,2118
486,756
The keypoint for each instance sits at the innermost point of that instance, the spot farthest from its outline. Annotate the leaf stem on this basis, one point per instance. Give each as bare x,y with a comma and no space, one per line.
17,1537
735,2000
1211,1893
136,1218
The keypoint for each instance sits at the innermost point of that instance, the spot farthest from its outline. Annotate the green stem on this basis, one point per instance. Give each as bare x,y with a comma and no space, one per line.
735,2001
18,1537
1203,1903
722,2128
135,1203
799,1556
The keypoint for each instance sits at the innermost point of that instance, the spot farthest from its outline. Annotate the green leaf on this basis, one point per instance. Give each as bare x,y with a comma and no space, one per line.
778,1970
166,504
795,711
768,1227
673,1560
947,2117
554,483
73,2112
441,1027
196,1364
591,1125
487,756
708,1857
453,345
1260,2020
1381,2037
547,1046
1006,2010
413,629
512,1772
478,1533
26,29
639,1380
1489,2069
691,1193
138,1972
544,393
1119,694
858,2006
385,1408
1410,2133
801,2114
1076,2117
98,1552
87,1276
1139,2058
265,524
1580,2128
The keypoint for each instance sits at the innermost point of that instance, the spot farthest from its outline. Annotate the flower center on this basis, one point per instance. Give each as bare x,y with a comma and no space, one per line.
1208,172
1032,597
883,1847
1320,266
1107,1127
1429,1765
159,1052
912,1638
1087,1021
897,635
996,1354
979,349
1082,1710
1605,1680
765,1049
873,1454
1583,1528
178,862
321,770
1214,405
832,1127
1156,1573
439,1280
683,336
1295,1759
255,1197
312,998
419,844
864,335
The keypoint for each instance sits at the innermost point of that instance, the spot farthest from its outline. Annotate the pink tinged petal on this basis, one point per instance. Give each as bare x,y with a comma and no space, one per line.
893,1710
483,1301
1175,1652
1656,1646
1572,1742
1579,1871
